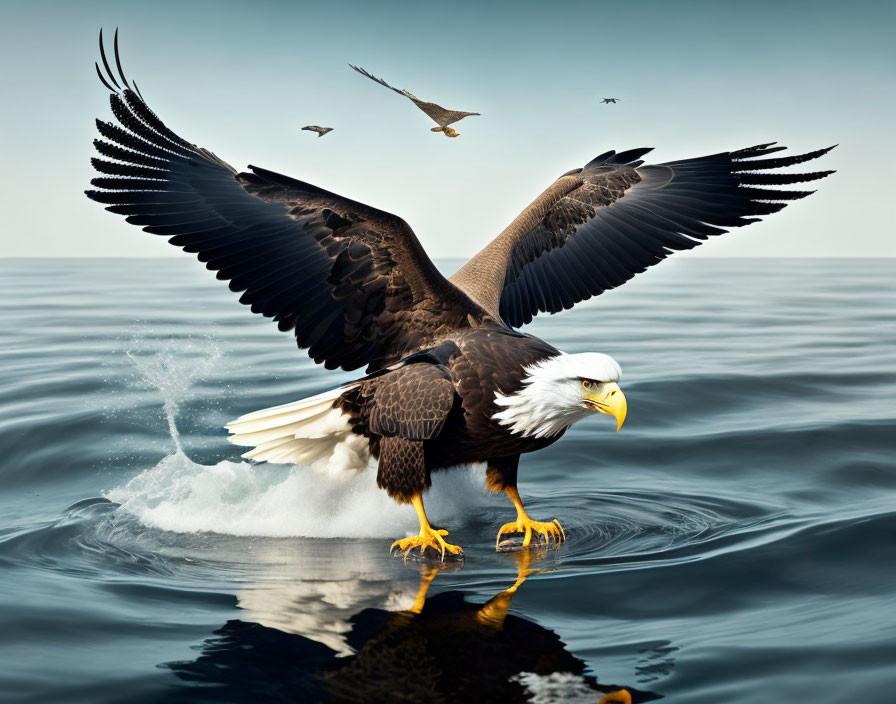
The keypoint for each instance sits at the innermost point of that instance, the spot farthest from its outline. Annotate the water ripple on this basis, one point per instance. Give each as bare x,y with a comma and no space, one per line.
739,533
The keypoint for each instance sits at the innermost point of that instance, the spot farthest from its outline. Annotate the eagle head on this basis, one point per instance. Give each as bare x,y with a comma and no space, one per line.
560,390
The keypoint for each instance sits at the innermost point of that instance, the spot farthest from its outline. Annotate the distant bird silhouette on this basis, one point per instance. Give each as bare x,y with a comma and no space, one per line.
441,116
321,131
610,100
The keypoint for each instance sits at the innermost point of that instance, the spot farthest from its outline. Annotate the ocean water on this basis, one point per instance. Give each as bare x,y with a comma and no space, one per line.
735,542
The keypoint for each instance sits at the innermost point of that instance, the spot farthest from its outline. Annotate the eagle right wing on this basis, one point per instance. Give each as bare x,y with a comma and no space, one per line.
598,226
352,281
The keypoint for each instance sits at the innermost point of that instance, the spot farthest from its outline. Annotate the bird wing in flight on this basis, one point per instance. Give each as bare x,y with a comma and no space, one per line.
405,93
598,226
352,281
441,116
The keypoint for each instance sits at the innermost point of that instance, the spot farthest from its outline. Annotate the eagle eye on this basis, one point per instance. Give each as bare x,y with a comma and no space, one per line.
587,383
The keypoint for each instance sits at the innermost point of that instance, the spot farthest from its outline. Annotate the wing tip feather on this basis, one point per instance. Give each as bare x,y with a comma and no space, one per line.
612,158
105,61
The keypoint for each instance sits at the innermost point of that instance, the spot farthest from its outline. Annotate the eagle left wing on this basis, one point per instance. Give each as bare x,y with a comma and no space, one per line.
351,281
596,227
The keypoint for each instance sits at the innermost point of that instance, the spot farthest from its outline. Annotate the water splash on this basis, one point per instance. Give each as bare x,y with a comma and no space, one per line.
172,370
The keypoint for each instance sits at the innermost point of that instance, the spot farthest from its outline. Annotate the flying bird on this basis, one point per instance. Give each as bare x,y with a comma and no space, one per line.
321,131
610,100
441,116
450,380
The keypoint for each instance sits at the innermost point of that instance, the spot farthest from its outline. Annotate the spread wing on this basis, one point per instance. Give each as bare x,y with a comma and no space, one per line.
369,75
440,115
351,281
598,226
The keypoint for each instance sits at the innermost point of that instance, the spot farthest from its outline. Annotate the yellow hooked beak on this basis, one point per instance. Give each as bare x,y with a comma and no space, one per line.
608,398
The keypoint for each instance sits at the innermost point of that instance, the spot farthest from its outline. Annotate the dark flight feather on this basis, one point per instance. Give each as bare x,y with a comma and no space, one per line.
101,76
114,169
105,61
118,60
113,151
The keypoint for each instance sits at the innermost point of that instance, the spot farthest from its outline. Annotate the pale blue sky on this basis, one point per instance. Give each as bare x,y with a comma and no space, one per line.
240,79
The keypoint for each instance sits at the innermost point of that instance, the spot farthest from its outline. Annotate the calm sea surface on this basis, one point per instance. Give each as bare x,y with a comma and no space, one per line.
736,542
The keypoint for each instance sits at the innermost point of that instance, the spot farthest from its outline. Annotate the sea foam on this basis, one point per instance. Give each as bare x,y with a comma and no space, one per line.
239,498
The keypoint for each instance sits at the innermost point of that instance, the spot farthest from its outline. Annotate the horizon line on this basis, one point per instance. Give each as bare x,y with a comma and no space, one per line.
79,257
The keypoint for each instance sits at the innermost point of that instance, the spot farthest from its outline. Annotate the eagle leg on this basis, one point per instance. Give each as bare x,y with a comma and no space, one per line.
552,531
428,537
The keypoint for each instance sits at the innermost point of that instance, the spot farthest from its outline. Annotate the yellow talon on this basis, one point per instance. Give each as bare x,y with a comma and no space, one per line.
428,537
552,531
621,696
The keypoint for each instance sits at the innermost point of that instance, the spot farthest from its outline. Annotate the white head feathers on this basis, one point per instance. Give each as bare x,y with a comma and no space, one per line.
551,397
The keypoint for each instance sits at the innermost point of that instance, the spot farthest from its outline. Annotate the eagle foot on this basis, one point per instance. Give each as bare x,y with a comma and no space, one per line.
436,129
620,696
427,538
552,532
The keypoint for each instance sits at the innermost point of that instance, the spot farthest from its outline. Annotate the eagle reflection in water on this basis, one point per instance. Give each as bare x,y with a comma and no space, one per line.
443,648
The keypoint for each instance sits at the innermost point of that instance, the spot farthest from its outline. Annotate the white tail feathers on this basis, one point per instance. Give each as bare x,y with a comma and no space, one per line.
311,431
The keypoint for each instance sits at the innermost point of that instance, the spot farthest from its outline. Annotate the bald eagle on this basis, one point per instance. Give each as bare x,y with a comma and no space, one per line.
450,378
441,116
